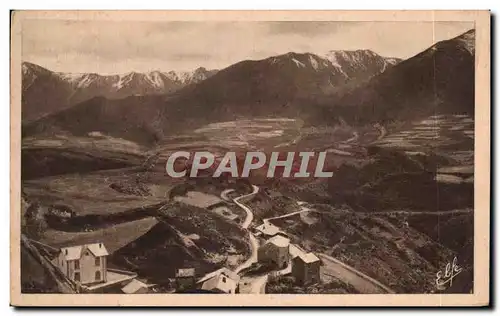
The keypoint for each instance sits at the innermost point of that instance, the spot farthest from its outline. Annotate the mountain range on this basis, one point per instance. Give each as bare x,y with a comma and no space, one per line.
45,91
438,80
354,87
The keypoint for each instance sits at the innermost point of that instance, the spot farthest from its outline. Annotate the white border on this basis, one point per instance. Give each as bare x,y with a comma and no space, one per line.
214,4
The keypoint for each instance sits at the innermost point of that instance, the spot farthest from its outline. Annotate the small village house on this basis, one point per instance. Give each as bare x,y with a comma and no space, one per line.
185,278
136,287
85,264
266,230
275,250
306,268
220,281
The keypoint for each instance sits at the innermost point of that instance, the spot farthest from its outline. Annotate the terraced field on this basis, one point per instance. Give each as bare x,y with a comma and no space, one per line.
452,132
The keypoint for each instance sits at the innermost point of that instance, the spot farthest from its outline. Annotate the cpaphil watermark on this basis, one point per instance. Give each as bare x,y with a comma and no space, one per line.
276,164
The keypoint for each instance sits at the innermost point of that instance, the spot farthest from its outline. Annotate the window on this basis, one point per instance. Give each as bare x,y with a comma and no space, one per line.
97,261
77,264
224,279
98,275
77,276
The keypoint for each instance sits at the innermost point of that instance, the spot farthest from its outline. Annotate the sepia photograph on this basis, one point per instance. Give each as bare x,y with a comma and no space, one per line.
342,158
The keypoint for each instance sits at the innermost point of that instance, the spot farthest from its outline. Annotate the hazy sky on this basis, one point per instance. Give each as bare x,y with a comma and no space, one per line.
119,47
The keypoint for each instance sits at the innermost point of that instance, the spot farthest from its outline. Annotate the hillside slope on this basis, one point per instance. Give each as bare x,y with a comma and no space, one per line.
439,80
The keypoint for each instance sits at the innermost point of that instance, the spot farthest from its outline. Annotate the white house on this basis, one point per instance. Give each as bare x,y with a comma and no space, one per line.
84,264
135,287
221,281
267,229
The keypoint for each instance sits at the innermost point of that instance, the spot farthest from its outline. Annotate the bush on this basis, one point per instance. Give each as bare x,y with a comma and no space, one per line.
180,190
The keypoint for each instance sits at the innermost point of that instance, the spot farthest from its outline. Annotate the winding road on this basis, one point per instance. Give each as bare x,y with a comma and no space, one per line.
360,281
355,136
224,194
451,212
249,218
302,210
332,267
254,243
256,284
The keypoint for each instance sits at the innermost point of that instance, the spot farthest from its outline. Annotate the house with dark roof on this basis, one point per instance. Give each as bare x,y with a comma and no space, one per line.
306,268
85,264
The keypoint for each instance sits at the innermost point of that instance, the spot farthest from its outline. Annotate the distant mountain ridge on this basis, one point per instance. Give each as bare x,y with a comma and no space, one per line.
156,79
45,91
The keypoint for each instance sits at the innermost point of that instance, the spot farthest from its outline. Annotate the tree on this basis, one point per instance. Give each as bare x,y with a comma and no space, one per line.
180,190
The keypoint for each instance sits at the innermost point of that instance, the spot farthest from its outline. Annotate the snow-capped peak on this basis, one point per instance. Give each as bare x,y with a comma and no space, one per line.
29,75
172,75
361,59
392,61
26,69
468,40
123,80
155,79
299,64
80,80
314,62
197,75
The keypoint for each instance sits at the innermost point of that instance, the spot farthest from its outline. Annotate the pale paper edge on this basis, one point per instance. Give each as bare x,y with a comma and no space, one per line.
480,297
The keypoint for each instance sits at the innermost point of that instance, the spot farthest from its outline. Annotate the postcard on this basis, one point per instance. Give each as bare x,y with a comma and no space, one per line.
276,158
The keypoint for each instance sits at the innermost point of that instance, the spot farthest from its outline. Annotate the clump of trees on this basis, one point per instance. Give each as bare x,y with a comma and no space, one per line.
35,223
136,188
180,190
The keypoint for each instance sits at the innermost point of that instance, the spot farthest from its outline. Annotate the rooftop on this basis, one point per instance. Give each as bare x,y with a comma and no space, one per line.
220,282
75,252
224,271
188,272
134,286
268,229
279,241
296,251
309,257
113,276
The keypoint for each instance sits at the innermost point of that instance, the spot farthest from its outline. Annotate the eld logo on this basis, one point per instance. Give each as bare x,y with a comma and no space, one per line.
290,164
